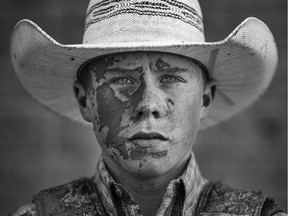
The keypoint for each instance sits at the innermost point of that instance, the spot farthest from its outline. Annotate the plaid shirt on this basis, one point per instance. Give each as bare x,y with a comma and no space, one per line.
180,197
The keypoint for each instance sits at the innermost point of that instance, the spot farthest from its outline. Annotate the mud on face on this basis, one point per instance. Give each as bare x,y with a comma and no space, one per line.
144,92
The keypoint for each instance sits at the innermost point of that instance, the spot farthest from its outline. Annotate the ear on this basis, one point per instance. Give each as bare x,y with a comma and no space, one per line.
81,97
207,98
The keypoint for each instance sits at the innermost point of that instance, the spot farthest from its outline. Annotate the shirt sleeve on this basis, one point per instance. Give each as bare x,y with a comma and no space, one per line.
271,208
26,210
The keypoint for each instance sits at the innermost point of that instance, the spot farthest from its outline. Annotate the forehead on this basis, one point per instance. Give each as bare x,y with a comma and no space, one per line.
155,58
141,59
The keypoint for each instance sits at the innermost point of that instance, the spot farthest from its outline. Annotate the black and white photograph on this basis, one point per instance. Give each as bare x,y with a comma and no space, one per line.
143,108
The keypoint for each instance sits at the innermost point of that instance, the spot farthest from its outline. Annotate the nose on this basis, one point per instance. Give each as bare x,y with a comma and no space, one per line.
152,104
146,109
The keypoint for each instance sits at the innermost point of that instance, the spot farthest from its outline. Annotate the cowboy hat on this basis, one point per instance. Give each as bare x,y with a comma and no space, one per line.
242,65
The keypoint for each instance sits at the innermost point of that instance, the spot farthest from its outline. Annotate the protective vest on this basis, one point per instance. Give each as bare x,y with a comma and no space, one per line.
80,198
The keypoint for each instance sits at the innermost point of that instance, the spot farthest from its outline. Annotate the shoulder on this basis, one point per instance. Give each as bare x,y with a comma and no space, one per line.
221,198
78,197
270,207
73,198
26,210
67,191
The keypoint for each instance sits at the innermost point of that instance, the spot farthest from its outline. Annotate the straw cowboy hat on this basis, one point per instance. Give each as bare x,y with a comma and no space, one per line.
242,65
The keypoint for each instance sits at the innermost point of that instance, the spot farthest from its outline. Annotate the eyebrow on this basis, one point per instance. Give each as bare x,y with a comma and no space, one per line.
172,70
118,71
139,69
121,71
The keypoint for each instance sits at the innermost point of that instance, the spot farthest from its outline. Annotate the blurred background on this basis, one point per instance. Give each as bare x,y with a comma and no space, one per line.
38,150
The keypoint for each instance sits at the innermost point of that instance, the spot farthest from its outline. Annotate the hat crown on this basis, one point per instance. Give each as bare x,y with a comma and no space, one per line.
132,21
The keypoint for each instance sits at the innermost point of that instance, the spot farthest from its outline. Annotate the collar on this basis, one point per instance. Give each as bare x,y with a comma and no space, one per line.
191,179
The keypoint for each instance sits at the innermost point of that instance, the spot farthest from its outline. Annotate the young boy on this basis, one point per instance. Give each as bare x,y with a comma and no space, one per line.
146,81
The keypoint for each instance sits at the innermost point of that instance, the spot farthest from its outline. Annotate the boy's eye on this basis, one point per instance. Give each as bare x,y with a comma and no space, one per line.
122,81
171,79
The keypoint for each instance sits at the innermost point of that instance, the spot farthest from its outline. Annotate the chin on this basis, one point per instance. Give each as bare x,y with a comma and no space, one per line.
147,167
149,163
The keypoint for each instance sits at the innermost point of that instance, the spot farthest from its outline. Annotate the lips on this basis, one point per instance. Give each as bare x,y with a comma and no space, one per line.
147,136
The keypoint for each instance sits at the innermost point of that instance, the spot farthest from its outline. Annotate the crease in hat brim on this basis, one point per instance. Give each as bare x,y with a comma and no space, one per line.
242,66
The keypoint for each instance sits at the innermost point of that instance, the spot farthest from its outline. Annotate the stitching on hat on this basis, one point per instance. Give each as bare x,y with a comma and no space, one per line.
167,8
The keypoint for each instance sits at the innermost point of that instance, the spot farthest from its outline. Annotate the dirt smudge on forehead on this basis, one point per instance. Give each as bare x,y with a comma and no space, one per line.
160,64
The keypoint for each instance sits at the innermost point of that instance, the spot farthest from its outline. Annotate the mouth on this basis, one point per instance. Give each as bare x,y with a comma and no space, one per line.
147,136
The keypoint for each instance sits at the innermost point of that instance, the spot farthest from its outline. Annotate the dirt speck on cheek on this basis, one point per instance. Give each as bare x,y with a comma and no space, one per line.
126,117
96,120
170,101
141,165
170,105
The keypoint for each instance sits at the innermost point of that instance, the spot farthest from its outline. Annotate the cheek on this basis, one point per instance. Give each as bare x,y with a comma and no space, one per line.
186,115
191,102
110,111
114,116
186,123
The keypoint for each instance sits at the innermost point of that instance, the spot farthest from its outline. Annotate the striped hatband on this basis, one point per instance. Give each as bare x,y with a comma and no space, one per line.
118,21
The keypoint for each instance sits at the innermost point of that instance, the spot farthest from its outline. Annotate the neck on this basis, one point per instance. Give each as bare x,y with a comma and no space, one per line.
148,192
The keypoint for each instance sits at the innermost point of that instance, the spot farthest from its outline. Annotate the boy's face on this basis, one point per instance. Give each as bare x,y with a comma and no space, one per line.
145,108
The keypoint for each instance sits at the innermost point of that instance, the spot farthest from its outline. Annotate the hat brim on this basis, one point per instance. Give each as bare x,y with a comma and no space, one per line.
242,66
